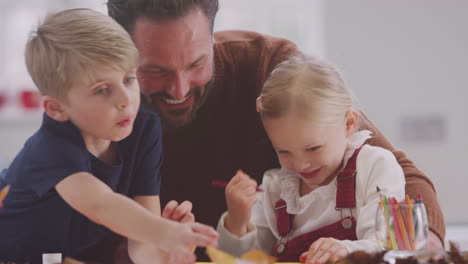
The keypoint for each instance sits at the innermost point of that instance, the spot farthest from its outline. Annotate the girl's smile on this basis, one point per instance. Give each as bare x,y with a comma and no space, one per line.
310,175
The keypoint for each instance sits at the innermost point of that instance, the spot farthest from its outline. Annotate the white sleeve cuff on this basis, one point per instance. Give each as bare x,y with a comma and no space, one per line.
233,244
368,245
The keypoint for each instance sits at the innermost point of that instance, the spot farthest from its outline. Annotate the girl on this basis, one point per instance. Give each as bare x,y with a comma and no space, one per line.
321,204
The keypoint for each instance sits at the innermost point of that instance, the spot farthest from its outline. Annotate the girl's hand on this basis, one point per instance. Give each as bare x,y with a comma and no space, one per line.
241,194
323,250
182,236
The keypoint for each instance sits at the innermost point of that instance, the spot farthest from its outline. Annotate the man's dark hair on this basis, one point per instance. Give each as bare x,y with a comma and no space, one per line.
126,12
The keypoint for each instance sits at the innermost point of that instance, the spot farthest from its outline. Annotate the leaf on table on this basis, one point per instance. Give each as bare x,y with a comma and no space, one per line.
251,257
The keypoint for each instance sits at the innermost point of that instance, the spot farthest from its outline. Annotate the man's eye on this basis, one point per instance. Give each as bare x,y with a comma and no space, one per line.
153,72
314,148
196,64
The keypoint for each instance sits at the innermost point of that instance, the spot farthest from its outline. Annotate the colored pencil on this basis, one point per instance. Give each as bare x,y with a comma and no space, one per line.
398,235
410,223
401,225
391,230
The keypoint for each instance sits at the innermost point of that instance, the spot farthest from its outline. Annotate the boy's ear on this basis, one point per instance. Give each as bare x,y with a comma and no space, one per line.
258,104
54,108
352,121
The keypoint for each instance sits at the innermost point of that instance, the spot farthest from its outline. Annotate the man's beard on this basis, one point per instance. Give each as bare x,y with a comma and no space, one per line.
199,95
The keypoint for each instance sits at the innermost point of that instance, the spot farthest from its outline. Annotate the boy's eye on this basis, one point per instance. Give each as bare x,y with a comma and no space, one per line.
102,91
130,79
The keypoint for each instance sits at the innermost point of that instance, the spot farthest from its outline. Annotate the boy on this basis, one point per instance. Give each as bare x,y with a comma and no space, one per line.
95,155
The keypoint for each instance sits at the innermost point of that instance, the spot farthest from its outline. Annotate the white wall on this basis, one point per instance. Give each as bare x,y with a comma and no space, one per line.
300,20
407,63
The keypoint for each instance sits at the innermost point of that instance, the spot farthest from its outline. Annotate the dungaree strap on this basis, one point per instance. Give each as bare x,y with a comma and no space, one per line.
283,219
346,184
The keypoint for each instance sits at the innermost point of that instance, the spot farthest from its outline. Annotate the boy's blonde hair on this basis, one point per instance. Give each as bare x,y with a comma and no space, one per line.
307,87
68,46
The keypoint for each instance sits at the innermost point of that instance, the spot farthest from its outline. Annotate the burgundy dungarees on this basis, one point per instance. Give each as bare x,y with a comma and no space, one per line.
288,250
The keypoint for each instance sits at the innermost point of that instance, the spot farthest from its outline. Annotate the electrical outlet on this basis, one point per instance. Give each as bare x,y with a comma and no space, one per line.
423,129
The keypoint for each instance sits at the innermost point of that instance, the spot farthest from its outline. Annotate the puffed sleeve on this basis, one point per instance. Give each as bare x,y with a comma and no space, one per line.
375,167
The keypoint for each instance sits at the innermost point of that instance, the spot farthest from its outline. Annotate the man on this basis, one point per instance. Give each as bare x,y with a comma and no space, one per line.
204,86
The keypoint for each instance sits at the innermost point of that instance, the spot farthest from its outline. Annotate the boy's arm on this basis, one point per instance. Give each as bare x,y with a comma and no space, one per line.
97,201
94,199
140,252
416,182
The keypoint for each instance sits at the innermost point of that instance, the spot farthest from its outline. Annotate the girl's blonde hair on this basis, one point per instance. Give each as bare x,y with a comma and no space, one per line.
69,45
307,87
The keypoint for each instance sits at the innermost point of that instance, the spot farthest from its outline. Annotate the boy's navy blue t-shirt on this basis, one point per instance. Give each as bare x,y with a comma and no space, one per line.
36,220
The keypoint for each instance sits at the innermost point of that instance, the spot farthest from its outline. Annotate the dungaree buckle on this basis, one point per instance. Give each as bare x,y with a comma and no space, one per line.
284,225
281,248
346,223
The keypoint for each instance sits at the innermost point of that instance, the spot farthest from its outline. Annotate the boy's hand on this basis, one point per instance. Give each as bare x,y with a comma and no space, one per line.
182,236
241,194
179,212
147,253
323,250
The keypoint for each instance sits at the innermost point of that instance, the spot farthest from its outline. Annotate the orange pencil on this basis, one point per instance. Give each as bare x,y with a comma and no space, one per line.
3,194
405,219
401,225
409,216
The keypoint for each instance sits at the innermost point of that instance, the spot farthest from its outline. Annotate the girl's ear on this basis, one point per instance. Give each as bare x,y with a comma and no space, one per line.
54,108
352,121
258,104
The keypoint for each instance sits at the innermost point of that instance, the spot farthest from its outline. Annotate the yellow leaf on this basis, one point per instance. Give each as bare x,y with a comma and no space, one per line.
219,257
253,256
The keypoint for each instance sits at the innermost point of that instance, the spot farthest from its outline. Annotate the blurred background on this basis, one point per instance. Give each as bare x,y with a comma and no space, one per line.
406,62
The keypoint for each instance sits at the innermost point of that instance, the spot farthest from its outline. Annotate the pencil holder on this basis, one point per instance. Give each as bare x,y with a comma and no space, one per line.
401,226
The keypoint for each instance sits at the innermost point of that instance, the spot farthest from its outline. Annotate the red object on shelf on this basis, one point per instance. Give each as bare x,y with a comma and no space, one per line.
30,99
2,99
